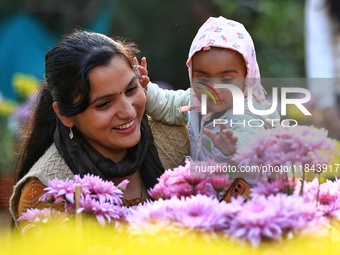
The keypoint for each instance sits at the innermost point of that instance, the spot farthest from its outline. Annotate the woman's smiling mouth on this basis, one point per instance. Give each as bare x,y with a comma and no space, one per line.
125,126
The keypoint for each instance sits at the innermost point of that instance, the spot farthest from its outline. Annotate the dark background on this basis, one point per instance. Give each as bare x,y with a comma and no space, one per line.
163,30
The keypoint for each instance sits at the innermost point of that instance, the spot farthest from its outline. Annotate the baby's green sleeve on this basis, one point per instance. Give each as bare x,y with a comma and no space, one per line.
162,104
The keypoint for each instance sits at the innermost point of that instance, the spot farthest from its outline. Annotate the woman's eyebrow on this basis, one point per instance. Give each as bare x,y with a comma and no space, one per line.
133,79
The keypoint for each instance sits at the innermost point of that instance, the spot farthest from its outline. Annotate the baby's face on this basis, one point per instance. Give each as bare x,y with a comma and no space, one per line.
217,66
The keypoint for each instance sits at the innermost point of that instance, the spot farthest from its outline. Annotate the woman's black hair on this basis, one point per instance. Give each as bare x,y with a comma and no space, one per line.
67,68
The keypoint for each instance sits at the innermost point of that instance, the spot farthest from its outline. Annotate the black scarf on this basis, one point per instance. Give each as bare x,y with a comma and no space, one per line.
82,158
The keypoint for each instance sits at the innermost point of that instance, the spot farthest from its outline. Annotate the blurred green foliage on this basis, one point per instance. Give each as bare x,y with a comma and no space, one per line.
164,33
164,30
7,147
277,28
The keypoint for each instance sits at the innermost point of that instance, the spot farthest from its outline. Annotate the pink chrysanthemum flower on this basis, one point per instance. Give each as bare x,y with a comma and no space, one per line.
284,146
274,186
329,192
59,191
328,197
182,181
34,217
256,221
99,197
219,184
325,195
267,188
270,218
310,190
99,189
150,218
171,183
104,212
123,185
195,213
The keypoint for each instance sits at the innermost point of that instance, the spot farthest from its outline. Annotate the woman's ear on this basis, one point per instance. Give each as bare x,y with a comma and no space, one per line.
67,121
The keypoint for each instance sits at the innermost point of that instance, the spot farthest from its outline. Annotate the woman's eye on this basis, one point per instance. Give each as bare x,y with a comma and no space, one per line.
103,105
132,90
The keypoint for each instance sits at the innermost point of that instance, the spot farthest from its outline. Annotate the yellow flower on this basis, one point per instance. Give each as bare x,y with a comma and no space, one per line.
89,239
25,85
7,107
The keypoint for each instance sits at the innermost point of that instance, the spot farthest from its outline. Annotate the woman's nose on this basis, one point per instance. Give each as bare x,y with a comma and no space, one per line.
126,109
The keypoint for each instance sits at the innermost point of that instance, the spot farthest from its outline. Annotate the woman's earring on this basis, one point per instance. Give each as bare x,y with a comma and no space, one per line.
71,133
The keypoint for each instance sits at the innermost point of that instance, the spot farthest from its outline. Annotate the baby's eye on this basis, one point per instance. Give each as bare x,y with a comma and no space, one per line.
227,80
202,80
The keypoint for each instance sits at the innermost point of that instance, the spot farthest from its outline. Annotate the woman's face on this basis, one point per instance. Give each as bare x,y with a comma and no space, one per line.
112,121
217,66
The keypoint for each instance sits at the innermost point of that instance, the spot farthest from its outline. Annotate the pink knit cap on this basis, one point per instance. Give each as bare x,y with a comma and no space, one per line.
224,33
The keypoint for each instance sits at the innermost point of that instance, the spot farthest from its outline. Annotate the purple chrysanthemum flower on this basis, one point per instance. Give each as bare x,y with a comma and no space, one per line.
104,212
329,199
310,190
270,218
284,146
329,192
219,184
99,189
181,181
267,188
150,217
197,213
123,185
274,186
256,221
172,183
35,217
59,191
99,197
201,213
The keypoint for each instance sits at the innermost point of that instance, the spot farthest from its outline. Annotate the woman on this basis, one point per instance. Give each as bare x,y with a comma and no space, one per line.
90,119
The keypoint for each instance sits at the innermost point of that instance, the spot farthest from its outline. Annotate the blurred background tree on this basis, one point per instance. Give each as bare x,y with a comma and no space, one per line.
164,33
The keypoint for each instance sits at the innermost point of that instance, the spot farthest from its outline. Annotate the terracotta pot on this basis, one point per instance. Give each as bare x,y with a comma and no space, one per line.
6,187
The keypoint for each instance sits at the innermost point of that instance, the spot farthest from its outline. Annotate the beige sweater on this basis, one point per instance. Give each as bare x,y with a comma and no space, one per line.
172,143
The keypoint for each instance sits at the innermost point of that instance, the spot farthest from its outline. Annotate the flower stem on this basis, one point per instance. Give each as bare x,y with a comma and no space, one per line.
303,182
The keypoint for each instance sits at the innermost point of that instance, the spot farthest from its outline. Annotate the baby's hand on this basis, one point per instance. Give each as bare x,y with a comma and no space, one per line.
141,71
224,140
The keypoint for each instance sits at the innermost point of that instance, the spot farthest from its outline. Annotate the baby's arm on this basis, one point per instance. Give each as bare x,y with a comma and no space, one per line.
162,104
